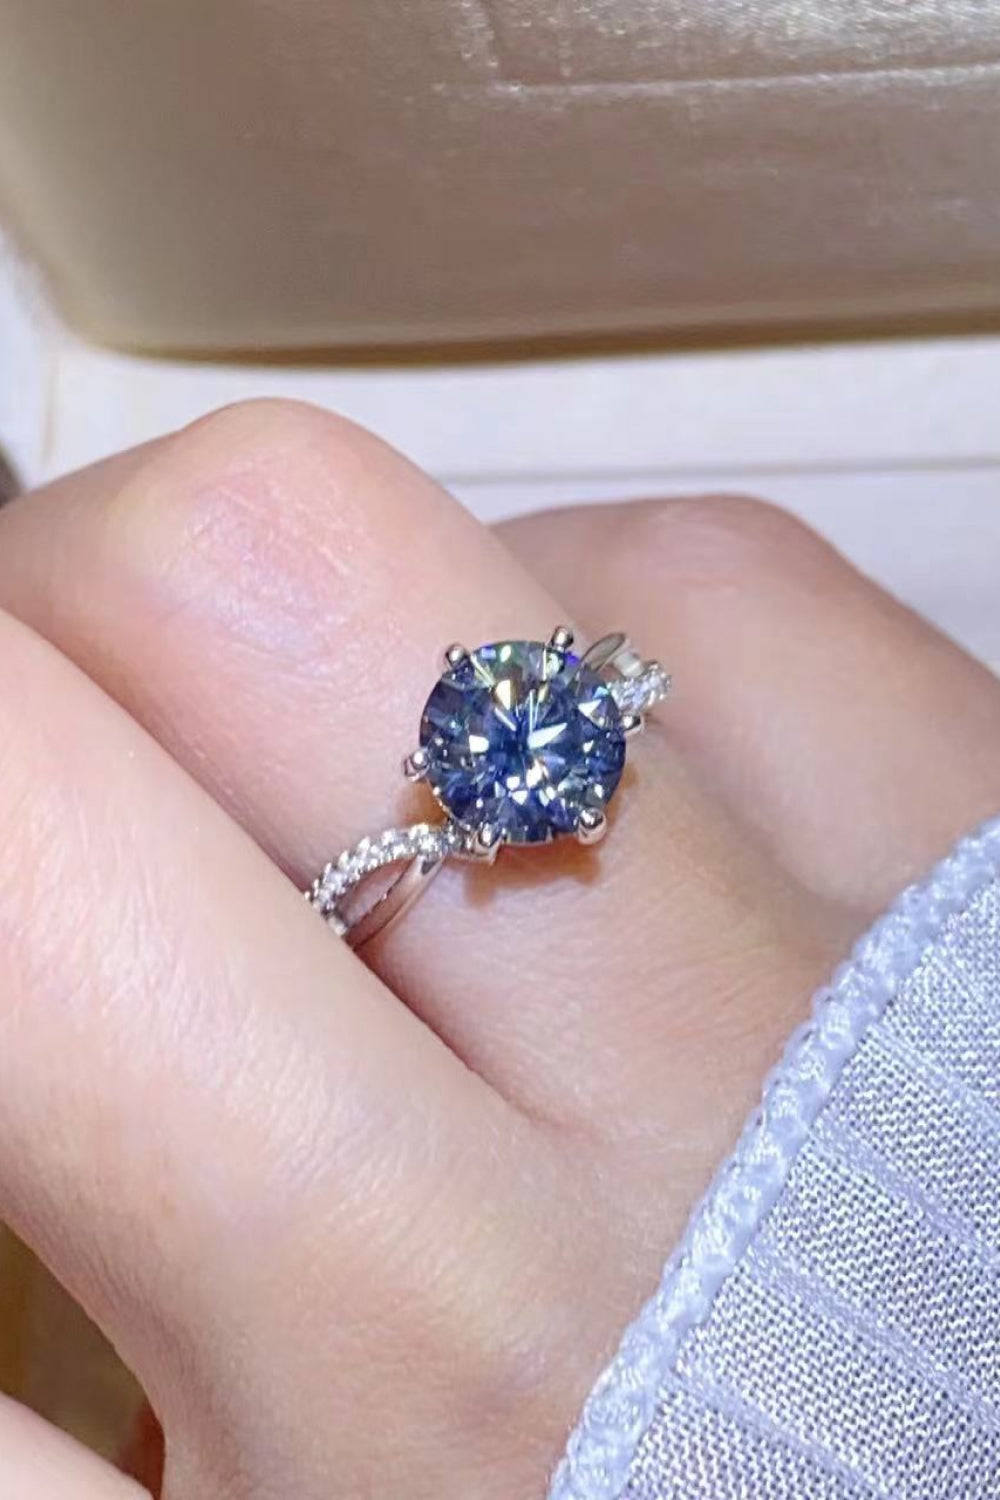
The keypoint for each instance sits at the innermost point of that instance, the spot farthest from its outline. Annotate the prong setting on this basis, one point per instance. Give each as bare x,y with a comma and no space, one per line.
485,843
592,825
415,765
521,742
522,737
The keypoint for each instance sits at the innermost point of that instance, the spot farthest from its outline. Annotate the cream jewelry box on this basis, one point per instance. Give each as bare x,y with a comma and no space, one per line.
234,174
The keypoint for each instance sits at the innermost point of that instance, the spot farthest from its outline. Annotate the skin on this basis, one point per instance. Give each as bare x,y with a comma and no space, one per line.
372,1230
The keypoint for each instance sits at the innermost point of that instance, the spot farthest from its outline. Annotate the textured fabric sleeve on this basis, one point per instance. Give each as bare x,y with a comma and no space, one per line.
829,1329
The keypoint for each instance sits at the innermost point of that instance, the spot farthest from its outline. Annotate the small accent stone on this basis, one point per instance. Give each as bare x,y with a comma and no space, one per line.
637,695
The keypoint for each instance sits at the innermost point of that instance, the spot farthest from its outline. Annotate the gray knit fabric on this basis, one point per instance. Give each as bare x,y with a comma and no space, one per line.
830,1330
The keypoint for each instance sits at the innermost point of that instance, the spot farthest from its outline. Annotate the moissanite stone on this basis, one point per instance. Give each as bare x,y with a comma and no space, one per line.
524,738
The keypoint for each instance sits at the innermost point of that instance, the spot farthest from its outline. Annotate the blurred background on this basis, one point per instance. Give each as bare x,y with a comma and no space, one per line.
556,250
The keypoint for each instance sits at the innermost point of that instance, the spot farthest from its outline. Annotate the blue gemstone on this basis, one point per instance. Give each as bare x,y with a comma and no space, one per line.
524,738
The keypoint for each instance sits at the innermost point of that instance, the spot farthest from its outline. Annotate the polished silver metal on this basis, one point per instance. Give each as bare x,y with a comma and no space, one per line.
592,827
485,843
397,898
603,652
409,858
415,765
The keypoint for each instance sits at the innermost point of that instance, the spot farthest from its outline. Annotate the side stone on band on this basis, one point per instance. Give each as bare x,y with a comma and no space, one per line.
521,742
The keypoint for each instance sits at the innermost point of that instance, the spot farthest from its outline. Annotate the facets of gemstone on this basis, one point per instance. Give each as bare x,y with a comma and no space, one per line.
523,737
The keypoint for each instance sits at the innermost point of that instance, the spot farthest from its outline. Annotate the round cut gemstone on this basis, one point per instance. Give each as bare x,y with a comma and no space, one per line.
522,737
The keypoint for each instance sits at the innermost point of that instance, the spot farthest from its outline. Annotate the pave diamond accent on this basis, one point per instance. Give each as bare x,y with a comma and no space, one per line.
639,693
523,738
342,876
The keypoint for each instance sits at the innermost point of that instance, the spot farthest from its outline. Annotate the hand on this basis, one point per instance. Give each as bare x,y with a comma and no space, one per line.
372,1231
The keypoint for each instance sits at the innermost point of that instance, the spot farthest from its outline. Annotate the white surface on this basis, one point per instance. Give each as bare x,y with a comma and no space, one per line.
24,367
892,448
837,406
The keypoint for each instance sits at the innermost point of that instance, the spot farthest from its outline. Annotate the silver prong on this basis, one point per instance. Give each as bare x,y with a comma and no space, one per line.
561,638
632,724
486,843
605,651
455,655
415,765
592,826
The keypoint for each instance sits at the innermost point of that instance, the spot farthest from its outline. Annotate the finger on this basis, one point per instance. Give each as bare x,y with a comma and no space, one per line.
853,737
270,597
38,1462
203,1099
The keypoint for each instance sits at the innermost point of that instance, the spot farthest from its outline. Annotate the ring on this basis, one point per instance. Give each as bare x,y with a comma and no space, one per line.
521,742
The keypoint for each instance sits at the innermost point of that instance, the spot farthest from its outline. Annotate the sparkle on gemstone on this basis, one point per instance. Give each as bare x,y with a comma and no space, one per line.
522,737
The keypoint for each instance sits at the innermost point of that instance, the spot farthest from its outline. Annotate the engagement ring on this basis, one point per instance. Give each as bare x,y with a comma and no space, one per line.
521,742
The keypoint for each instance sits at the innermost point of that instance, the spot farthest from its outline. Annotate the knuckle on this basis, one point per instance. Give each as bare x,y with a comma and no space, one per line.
262,427
254,509
721,542
253,459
